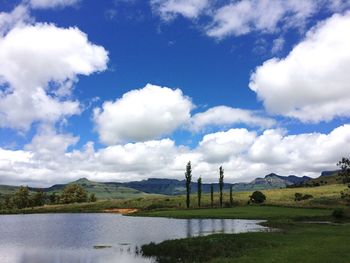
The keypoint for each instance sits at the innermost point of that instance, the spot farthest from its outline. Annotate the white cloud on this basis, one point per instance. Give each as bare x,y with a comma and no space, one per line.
312,82
169,9
43,4
244,155
221,146
142,114
242,17
18,16
47,145
235,18
278,45
38,66
295,153
227,116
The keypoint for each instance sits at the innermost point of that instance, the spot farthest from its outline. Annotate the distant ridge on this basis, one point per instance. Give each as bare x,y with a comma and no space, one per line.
134,189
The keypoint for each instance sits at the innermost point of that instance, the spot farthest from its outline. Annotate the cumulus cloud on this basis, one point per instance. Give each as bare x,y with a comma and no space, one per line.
309,152
244,154
235,18
312,82
227,116
39,64
44,4
242,17
169,9
220,147
142,114
18,16
48,145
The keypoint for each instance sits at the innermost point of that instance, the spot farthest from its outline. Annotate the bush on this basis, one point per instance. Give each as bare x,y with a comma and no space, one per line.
338,213
257,197
300,197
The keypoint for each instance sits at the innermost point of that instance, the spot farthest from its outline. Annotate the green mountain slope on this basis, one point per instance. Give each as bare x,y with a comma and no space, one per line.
114,190
101,190
326,178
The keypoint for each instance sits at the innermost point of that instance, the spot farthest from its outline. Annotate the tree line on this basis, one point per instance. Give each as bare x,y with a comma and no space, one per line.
256,197
22,198
188,178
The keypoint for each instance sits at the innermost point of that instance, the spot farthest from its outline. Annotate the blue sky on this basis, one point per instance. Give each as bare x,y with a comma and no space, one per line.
256,86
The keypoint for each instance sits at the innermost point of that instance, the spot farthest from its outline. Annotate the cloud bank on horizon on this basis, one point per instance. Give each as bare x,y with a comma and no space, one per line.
154,129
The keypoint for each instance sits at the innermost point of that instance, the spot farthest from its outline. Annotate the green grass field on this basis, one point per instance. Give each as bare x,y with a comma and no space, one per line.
307,243
245,212
327,196
297,240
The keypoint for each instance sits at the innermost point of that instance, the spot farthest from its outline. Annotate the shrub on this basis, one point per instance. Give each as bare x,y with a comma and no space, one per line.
300,197
338,213
257,197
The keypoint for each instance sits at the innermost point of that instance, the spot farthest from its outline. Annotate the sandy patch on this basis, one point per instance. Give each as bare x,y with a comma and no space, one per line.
123,211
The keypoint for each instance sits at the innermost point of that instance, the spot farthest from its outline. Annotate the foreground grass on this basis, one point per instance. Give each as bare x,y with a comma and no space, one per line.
244,212
296,240
308,243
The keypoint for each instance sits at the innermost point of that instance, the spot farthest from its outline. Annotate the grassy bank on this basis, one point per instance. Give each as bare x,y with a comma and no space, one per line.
308,243
298,240
323,197
244,212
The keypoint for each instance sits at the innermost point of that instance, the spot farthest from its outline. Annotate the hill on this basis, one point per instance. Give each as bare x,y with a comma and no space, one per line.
115,190
101,190
326,178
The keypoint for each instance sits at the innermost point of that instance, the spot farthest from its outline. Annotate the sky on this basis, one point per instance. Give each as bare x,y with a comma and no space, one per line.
124,90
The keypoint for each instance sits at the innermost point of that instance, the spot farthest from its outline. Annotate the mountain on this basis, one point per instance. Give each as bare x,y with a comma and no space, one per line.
328,173
174,187
326,178
271,181
135,189
170,186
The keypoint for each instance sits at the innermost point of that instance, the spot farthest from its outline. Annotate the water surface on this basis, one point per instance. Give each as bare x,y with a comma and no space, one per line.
68,238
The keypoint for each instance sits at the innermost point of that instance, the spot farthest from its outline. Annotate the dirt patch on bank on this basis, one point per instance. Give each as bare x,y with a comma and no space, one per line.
123,211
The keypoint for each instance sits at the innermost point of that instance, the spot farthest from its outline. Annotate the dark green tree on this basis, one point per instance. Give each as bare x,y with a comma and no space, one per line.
53,198
21,197
38,198
9,202
212,195
221,183
92,198
344,165
231,196
257,197
73,193
81,195
188,177
199,190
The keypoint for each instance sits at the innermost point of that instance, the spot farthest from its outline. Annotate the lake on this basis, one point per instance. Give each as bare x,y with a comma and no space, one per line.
71,237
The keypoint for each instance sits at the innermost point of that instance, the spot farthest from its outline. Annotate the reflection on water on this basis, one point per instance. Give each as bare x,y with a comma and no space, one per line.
99,237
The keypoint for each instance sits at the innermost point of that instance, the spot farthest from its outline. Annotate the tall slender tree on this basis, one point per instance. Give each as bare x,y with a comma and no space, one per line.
188,177
212,195
231,197
199,190
221,183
